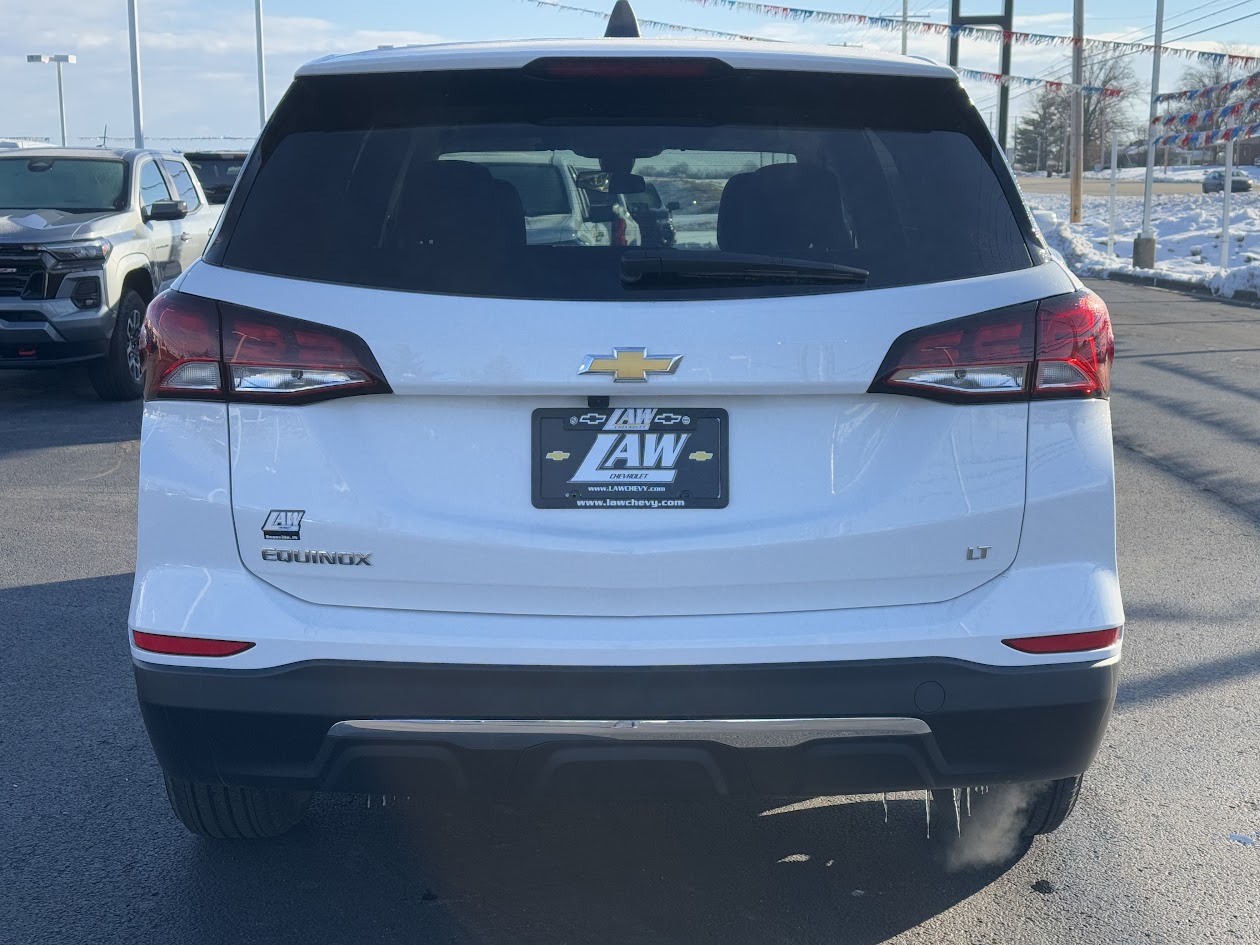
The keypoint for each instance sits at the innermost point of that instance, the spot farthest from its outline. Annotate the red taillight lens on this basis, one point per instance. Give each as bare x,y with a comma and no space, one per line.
188,646
1066,642
1059,347
196,348
179,348
980,357
1075,347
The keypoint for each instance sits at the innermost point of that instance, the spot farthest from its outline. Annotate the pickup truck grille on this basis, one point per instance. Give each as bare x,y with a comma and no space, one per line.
22,277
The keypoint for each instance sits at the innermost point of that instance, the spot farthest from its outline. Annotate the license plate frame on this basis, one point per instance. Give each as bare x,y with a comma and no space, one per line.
635,450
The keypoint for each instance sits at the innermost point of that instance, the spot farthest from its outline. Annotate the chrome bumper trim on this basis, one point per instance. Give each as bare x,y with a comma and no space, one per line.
737,733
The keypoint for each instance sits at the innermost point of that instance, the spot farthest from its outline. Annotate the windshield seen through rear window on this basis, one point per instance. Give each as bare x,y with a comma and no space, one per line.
436,182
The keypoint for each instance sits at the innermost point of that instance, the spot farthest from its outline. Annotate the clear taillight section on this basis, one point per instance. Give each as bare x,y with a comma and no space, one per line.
1059,347
195,348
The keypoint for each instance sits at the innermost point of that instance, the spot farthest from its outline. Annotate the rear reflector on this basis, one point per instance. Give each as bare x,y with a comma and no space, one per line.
1066,642
187,646
195,348
1059,347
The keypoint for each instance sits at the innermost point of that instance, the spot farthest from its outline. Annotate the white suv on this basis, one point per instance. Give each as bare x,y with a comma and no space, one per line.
819,503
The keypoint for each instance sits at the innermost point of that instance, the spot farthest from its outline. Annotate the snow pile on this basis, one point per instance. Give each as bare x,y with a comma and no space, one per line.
1188,238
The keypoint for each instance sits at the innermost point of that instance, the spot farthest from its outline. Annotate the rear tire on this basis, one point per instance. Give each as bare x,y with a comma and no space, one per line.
117,376
220,812
1052,802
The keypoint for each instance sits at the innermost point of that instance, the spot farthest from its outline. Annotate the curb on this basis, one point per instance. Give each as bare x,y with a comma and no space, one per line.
1244,297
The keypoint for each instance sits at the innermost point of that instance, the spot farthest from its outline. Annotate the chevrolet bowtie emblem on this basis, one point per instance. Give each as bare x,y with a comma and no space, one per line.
630,364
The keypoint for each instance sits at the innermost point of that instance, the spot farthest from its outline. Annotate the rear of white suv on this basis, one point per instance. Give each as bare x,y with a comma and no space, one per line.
818,500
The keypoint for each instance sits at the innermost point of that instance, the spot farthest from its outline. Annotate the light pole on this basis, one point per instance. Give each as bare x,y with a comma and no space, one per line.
60,60
137,110
1144,245
262,79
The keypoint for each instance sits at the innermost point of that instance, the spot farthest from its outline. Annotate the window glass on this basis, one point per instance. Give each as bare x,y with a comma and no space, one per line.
152,185
76,185
476,183
183,184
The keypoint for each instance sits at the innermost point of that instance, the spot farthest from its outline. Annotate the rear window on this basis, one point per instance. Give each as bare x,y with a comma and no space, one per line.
433,182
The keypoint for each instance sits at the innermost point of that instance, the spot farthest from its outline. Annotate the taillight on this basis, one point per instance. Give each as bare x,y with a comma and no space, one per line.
187,646
195,348
1059,347
1067,642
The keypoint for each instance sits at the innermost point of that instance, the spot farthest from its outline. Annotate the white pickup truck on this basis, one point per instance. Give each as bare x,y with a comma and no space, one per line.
87,238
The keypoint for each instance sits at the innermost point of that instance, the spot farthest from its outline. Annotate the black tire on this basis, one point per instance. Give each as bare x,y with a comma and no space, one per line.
1052,802
234,813
117,376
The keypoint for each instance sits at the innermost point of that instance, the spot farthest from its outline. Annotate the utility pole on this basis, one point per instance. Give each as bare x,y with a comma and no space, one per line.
905,24
262,78
137,116
1078,108
1144,245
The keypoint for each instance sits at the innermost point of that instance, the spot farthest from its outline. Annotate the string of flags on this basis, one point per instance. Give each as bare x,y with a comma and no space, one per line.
1203,139
1192,119
976,75
984,34
996,78
1191,95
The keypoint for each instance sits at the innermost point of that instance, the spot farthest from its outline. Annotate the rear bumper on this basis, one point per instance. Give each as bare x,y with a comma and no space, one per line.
834,728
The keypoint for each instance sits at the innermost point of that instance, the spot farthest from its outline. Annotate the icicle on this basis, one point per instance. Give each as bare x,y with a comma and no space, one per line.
885,807
957,812
927,811
369,802
968,802
382,800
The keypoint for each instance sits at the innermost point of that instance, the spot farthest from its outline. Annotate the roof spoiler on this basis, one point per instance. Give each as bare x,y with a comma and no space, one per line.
622,22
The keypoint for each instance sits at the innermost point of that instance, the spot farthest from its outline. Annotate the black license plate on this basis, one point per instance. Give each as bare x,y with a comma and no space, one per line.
630,458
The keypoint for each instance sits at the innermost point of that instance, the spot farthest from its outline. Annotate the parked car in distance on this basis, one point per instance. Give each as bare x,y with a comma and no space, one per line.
557,211
655,219
217,171
87,238
1214,182
825,506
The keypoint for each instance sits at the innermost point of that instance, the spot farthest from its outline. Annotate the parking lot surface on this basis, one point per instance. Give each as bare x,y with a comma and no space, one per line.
92,855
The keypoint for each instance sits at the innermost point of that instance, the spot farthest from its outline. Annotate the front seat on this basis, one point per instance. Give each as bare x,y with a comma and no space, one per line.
790,210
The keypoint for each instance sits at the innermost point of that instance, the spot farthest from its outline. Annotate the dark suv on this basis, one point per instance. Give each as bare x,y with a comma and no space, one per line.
217,171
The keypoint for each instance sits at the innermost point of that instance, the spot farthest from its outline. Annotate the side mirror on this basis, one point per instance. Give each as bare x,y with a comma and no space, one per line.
166,210
610,182
673,206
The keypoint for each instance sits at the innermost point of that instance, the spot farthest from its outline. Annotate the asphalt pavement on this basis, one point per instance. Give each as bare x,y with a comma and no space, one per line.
89,852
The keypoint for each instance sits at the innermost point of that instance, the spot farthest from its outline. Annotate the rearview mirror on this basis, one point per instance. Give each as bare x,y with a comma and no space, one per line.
610,182
673,206
166,210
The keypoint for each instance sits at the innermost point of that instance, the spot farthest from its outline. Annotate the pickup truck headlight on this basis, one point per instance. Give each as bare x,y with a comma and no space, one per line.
79,251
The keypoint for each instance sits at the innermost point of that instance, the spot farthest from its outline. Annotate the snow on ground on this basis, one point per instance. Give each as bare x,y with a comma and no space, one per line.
1188,237
1173,175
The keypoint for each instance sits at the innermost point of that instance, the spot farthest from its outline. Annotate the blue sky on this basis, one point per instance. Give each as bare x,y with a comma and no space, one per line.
198,55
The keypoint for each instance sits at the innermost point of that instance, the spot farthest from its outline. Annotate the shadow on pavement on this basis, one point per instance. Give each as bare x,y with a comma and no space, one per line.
465,871
57,407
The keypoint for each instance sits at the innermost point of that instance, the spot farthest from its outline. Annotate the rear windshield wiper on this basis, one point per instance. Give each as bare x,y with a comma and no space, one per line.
667,265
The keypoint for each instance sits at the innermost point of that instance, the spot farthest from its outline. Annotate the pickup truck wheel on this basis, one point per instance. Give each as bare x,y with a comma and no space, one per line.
117,376
234,813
